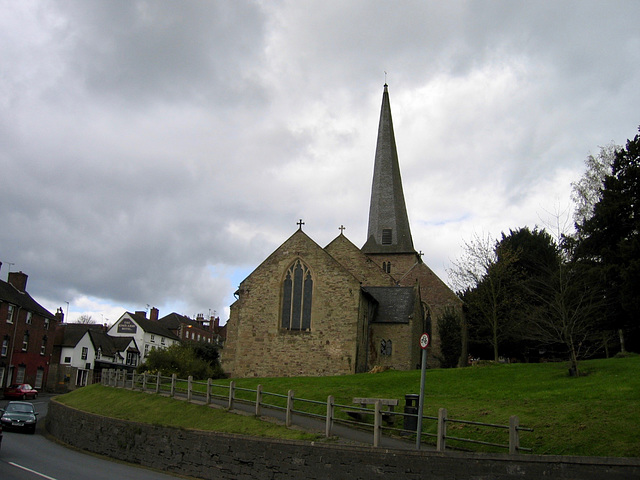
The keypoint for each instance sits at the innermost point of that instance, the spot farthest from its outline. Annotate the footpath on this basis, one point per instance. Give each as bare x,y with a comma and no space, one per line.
345,434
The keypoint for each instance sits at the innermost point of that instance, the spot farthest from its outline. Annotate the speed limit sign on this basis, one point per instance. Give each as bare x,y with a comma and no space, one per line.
424,340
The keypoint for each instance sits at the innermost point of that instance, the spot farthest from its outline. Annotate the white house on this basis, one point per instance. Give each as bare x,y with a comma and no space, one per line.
85,350
147,333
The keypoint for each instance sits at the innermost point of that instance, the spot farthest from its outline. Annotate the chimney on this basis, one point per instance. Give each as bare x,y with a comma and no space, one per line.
18,280
216,324
141,313
154,314
60,315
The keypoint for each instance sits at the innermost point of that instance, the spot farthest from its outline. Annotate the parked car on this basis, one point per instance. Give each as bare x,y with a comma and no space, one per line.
21,391
19,416
0,434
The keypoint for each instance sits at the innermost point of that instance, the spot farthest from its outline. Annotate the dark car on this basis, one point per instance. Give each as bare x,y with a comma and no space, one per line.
21,391
19,416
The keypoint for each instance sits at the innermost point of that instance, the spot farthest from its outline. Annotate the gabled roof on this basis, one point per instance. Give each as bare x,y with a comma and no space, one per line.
387,210
10,294
108,345
152,326
362,267
173,321
394,304
72,333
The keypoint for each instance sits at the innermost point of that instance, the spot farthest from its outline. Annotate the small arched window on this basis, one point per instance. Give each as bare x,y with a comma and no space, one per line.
297,296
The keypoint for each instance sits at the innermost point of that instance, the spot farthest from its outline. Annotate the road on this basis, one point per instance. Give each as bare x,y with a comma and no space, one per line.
33,457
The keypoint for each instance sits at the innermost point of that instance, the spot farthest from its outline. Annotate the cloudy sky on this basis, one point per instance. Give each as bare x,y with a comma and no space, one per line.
153,153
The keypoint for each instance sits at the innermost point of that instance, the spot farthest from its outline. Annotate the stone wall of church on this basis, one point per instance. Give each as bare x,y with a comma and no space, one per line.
405,350
256,343
408,270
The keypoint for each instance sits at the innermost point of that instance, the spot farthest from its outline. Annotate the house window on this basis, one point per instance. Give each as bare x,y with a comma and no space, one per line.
387,236
146,350
153,338
162,340
10,314
43,347
5,347
29,318
46,324
81,378
67,360
85,352
25,342
99,353
297,295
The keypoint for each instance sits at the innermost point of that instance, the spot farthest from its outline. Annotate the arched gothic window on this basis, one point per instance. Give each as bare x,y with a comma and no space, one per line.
297,295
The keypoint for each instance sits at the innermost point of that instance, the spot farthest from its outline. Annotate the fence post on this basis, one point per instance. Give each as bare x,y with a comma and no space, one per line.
208,400
330,409
377,424
232,389
172,392
514,435
289,407
442,430
189,388
144,382
158,383
258,399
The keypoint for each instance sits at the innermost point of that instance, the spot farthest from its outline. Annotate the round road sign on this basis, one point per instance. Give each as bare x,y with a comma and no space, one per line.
424,340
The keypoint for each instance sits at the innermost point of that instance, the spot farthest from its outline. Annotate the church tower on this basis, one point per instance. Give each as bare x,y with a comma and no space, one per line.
389,231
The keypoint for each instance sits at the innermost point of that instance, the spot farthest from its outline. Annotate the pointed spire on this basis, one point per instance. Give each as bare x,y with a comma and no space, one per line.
389,230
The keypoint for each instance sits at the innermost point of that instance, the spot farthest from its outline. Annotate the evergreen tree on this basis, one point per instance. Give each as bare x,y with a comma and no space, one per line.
608,243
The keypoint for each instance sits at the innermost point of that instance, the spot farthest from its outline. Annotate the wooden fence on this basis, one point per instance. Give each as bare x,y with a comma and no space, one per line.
289,404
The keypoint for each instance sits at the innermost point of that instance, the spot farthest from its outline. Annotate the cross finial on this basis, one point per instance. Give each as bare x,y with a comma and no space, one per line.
420,253
342,229
300,223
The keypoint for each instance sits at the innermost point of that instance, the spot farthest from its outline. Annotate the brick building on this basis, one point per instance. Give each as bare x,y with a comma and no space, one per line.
27,332
308,310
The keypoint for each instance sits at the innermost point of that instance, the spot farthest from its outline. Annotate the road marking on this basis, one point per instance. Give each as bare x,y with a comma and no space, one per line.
32,471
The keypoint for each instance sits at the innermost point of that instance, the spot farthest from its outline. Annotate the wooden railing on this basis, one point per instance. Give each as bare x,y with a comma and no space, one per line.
227,395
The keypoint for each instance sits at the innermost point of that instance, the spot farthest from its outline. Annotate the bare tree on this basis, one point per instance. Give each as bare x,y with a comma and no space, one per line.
568,313
485,272
85,319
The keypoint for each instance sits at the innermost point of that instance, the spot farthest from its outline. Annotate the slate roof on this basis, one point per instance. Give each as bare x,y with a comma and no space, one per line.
73,332
387,209
394,304
152,326
173,321
109,345
10,294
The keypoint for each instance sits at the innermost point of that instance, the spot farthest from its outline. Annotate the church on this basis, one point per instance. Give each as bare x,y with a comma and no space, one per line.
308,310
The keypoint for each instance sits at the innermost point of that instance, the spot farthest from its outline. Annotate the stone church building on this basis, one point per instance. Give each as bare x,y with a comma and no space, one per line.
310,311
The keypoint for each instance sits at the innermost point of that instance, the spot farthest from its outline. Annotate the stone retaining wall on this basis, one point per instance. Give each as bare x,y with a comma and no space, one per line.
210,455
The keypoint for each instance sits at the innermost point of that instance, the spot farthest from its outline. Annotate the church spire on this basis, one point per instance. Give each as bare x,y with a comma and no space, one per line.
389,230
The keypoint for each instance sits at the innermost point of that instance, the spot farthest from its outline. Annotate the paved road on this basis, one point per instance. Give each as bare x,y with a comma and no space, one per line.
33,457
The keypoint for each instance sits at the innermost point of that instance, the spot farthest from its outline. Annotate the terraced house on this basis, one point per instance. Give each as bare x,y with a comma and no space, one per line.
26,334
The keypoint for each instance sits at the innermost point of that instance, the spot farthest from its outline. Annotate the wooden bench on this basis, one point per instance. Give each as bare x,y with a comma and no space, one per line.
387,404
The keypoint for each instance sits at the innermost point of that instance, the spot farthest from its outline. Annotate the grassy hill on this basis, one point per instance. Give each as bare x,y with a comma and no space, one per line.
596,414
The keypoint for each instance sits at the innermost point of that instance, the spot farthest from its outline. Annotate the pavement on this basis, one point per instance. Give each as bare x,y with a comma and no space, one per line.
344,433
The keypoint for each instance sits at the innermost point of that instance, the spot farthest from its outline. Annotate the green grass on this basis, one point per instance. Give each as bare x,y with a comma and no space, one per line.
593,415
161,410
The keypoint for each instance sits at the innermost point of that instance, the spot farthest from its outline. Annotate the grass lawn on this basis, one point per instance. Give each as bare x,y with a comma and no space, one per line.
594,415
